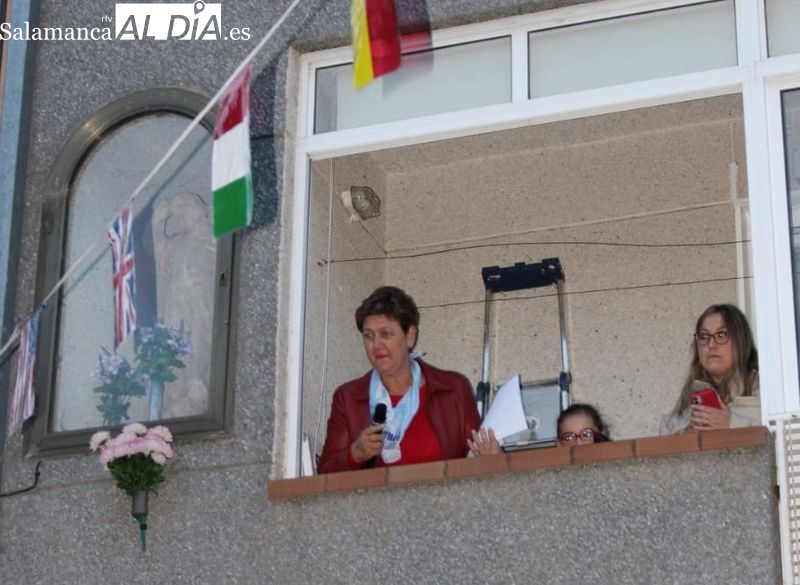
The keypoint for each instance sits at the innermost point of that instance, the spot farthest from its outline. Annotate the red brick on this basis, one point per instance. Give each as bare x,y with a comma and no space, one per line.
476,466
420,472
538,458
602,451
282,489
732,438
670,445
356,480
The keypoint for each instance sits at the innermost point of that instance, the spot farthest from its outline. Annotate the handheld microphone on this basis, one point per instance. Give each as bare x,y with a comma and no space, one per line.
378,418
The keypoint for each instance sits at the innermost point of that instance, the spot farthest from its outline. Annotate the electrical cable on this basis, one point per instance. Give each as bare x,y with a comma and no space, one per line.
36,475
537,243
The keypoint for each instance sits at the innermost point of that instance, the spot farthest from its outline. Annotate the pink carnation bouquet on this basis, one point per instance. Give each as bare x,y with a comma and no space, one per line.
136,457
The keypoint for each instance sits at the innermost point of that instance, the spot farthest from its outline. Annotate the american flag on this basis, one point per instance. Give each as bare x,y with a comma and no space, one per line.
23,396
123,276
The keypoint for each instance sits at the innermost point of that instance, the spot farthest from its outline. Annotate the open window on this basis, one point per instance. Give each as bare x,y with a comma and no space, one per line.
637,180
646,209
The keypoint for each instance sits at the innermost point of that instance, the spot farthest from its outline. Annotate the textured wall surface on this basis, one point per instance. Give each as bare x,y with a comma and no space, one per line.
702,518
647,522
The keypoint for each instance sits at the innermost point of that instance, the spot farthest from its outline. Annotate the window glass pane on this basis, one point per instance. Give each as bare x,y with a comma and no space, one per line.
790,102
782,19
175,258
634,48
444,80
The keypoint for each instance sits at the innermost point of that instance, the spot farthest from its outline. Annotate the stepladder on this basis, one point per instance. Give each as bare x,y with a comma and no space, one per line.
543,399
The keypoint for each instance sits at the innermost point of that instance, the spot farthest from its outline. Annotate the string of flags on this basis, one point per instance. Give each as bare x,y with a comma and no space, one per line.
23,396
380,39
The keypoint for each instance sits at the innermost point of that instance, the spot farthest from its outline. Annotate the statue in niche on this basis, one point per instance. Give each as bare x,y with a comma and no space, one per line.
185,257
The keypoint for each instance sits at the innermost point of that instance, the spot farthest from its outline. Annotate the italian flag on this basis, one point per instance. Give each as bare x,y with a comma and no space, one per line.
230,168
376,43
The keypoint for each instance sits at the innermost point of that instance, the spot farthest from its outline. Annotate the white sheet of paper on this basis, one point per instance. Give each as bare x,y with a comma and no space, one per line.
506,415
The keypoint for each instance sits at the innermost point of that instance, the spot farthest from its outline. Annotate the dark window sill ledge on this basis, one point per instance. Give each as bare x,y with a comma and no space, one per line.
282,489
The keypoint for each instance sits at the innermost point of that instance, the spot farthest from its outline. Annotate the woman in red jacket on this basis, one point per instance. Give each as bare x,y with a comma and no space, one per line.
430,413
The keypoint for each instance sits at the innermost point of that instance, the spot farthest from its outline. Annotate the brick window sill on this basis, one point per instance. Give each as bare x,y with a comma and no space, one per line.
281,489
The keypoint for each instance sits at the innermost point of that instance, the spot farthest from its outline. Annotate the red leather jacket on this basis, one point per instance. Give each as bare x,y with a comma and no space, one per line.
450,406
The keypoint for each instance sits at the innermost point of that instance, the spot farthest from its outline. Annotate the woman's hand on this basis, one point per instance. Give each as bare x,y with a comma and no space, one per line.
708,418
484,443
368,444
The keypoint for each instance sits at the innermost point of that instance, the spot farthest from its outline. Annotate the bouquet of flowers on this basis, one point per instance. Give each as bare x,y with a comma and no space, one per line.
136,458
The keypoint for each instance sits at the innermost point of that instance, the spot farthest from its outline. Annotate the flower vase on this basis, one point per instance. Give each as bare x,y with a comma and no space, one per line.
139,512
139,503
156,399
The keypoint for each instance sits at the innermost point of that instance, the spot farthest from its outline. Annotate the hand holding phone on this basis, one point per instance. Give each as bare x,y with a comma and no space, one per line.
709,413
707,397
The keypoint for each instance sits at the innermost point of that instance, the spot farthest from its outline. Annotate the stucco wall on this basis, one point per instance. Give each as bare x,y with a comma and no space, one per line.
699,518
211,523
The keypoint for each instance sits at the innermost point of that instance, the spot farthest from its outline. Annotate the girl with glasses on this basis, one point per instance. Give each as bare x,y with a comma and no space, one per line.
581,424
724,357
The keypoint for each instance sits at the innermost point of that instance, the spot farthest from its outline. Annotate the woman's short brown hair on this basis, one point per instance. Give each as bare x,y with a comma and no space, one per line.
392,302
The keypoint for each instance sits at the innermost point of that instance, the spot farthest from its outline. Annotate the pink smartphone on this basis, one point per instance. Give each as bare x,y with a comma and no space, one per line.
706,397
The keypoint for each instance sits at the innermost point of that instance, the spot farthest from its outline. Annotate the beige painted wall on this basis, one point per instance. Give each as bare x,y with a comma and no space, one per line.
660,176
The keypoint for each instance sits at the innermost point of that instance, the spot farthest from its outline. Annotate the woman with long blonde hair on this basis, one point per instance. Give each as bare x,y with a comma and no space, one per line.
724,357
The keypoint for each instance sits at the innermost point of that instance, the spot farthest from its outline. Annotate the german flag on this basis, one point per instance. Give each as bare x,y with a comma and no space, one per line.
376,41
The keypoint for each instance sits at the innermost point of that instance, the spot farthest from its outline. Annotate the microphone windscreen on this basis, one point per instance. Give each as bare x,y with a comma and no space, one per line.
379,417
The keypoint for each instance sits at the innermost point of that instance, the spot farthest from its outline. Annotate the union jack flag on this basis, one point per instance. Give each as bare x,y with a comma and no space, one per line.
123,275
23,396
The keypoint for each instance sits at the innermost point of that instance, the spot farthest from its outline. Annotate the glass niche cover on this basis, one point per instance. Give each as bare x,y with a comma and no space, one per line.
162,368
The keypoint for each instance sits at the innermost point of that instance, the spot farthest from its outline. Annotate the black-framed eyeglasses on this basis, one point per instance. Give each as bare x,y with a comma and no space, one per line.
586,434
721,337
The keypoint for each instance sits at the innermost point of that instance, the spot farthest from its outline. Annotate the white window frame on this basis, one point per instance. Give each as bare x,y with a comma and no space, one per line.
754,77
782,369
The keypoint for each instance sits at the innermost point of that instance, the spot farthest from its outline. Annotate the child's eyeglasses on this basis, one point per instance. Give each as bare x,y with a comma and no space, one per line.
585,434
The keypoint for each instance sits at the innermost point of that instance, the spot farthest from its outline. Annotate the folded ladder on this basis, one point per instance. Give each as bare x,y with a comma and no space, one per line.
542,400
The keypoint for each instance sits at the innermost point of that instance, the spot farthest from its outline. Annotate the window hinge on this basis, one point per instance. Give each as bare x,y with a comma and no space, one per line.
223,278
